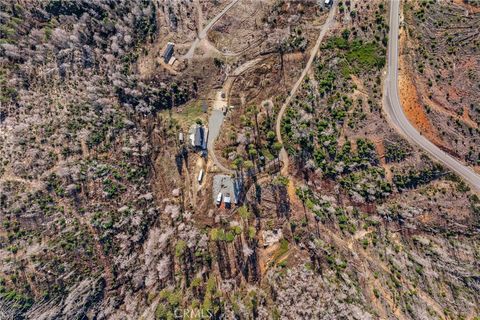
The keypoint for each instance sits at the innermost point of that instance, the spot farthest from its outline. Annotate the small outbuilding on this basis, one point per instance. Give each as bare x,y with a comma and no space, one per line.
168,52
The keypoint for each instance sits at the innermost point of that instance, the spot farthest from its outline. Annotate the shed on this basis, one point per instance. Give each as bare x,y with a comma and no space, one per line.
168,52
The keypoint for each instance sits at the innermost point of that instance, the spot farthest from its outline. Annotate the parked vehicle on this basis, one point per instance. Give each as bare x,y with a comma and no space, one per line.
227,200
219,199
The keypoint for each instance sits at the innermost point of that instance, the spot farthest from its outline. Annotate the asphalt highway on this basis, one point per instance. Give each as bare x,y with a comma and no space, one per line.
395,112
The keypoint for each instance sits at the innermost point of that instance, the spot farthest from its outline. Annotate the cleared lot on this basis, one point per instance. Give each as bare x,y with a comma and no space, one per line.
225,184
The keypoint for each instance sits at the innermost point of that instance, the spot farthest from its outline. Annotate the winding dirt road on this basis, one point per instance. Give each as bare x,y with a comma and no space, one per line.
283,153
216,117
203,33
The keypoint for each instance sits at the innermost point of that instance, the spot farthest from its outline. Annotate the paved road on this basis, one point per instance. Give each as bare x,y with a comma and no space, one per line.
398,118
283,153
203,33
214,124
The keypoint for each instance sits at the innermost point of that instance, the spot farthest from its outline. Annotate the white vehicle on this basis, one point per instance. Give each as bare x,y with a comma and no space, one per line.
227,200
200,176
219,199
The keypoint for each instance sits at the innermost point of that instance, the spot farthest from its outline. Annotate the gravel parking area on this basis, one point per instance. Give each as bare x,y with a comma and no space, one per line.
214,124
224,184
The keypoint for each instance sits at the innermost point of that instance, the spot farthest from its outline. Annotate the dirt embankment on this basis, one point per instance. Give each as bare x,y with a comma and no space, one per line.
411,100
412,106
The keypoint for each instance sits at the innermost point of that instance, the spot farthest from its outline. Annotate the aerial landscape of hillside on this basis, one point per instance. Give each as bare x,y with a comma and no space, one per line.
239,159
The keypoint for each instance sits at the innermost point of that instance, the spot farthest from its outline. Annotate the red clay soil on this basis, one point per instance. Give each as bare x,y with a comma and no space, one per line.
412,107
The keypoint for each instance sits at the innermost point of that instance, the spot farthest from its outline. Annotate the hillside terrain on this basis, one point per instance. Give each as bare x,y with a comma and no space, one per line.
441,74
109,209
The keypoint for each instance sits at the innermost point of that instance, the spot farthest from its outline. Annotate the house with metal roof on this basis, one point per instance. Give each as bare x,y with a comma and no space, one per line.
198,136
